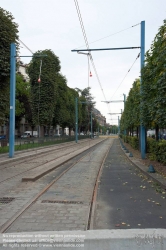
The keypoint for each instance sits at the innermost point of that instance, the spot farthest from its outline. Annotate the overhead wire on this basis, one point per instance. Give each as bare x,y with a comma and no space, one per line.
110,35
90,55
87,44
126,75
86,41
26,46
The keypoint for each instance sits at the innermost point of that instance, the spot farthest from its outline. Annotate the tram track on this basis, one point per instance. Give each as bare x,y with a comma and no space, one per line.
41,164
91,209
38,154
16,216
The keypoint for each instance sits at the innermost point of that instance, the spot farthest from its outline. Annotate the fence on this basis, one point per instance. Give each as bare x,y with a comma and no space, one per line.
32,142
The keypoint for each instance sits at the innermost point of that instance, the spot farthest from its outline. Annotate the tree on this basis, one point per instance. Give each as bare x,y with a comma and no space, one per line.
8,35
61,111
87,105
154,83
131,116
43,94
72,94
23,107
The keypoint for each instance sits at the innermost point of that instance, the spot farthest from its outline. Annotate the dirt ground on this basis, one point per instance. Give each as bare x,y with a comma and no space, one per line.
159,167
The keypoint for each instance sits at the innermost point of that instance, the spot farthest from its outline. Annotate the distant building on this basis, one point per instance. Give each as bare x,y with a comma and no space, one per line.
99,117
21,69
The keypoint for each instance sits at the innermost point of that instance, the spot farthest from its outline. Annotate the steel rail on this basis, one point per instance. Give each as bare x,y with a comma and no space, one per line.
50,148
54,159
10,222
94,195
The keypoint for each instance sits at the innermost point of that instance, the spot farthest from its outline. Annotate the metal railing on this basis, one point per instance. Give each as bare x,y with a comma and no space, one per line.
33,142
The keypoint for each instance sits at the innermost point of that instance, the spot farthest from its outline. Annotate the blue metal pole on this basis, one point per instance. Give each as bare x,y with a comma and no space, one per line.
91,124
142,128
124,109
12,99
76,114
118,126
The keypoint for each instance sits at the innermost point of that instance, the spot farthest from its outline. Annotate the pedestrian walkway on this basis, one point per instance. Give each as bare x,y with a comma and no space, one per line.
66,204
126,197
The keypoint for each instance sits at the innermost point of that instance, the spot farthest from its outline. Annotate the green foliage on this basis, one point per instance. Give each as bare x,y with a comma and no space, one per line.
130,117
149,107
156,150
132,140
72,94
43,94
61,114
87,103
22,95
4,103
154,82
8,35
23,107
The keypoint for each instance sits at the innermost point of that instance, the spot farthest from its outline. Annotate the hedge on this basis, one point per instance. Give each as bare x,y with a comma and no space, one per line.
156,150
132,140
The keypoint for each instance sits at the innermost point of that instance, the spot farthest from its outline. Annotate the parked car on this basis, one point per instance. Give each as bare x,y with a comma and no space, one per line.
164,136
2,137
28,134
57,135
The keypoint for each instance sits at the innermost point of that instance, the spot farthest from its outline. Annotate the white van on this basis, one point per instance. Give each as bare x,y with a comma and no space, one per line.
28,134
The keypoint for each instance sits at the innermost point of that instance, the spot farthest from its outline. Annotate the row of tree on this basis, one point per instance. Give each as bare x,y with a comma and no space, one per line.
148,107
46,102
52,101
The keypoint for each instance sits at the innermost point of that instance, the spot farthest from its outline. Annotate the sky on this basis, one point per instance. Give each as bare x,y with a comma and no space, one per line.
54,24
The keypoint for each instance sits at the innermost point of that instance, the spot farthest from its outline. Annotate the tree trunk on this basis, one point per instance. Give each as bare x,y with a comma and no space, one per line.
157,132
137,131
69,131
132,131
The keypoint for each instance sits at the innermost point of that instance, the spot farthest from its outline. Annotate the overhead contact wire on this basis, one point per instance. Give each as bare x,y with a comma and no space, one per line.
87,45
26,47
126,75
110,35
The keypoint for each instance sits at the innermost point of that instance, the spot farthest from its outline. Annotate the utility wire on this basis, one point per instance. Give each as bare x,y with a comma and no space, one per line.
126,74
87,44
110,35
125,77
26,46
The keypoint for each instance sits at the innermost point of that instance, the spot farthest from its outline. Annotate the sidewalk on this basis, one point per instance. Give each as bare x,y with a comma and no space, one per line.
157,177
128,198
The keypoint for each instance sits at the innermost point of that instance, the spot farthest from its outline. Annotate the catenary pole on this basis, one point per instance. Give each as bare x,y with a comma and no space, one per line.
142,128
76,115
12,99
91,124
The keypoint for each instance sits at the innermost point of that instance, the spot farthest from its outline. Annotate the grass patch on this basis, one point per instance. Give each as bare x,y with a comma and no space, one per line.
42,142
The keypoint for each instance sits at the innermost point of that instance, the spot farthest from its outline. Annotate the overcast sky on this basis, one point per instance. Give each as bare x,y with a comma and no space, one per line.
54,24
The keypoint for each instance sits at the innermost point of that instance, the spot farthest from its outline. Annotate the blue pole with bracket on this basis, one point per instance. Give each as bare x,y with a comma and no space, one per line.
124,109
118,126
12,99
91,124
142,128
76,114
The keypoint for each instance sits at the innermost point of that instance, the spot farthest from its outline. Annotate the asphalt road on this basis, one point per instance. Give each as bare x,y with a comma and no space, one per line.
126,198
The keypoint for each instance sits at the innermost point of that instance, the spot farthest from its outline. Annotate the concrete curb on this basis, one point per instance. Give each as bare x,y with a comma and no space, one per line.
32,175
119,239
